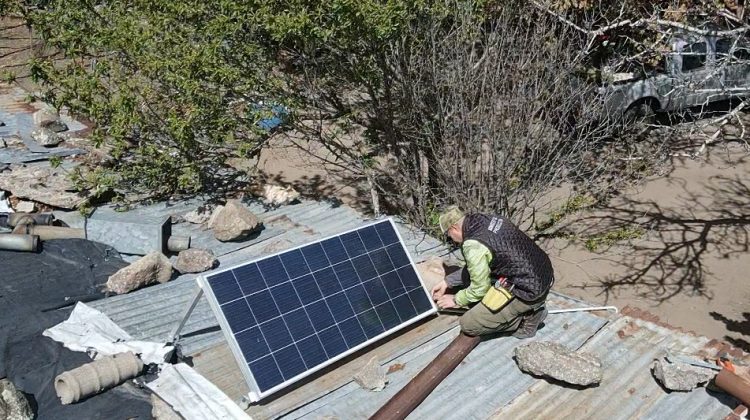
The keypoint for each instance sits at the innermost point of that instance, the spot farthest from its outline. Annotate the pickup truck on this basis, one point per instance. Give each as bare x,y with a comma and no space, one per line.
694,73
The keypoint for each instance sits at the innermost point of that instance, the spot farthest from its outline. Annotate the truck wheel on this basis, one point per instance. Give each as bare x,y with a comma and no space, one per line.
642,115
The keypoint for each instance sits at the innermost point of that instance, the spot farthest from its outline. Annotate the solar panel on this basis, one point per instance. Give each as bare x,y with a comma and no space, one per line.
290,314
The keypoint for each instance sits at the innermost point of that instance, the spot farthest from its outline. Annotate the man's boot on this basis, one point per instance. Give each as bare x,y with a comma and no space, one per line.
530,323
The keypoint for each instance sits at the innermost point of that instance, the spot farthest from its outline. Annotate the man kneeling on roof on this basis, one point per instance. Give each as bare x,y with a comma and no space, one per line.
506,278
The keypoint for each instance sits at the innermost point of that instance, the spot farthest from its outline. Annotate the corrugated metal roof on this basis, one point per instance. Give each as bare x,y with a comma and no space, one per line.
486,384
151,313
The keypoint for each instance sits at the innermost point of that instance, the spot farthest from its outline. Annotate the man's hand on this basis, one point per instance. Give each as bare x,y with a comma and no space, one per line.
446,301
439,290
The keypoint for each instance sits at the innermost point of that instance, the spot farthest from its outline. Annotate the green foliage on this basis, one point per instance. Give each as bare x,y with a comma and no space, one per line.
612,237
172,86
572,205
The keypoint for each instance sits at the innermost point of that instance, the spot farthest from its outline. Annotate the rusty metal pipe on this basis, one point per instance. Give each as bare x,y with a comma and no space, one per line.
16,219
14,242
46,233
734,386
410,396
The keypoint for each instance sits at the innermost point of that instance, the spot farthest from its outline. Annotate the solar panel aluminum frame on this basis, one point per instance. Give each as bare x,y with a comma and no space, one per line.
255,394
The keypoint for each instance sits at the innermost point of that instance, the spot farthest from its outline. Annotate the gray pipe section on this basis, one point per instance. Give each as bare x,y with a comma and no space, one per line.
15,219
14,242
178,243
95,377
46,233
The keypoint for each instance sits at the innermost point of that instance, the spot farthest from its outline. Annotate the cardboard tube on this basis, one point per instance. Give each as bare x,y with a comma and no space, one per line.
16,219
95,377
46,233
14,242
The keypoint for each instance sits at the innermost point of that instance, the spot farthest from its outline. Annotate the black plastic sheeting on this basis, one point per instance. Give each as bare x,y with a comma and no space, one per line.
38,291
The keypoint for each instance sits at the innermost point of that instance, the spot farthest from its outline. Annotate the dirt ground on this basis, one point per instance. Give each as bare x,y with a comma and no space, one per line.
690,265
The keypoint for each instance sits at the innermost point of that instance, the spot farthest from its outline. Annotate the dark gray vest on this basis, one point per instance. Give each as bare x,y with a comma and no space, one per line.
514,255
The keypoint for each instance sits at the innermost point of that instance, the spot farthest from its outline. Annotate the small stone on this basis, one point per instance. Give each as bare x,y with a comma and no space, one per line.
57,127
276,195
13,404
25,207
432,271
3,144
553,360
680,376
160,410
371,376
152,268
46,137
198,216
234,222
214,215
195,260
46,116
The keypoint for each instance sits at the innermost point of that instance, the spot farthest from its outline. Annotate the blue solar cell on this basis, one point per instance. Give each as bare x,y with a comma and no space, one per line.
327,281
370,238
334,250
266,373
285,297
370,323
299,324
225,287
353,244
386,232
388,315
352,332
341,307
346,274
320,315
276,333
294,263
238,315
398,255
252,344
404,307
307,289
290,362
420,300
262,305
358,298
315,257
249,278
376,291
381,261
312,351
364,267
409,278
273,271
392,284
332,341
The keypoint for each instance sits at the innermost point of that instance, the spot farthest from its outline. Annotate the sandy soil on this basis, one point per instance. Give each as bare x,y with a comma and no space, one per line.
690,266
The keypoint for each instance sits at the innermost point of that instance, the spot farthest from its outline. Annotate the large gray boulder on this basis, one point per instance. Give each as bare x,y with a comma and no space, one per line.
13,404
152,268
194,260
233,222
553,360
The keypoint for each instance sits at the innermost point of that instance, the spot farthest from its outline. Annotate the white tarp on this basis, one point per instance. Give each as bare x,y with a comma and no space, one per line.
89,330
192,395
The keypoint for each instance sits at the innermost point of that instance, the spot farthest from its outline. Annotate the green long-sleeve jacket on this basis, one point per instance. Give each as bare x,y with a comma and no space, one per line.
477,258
